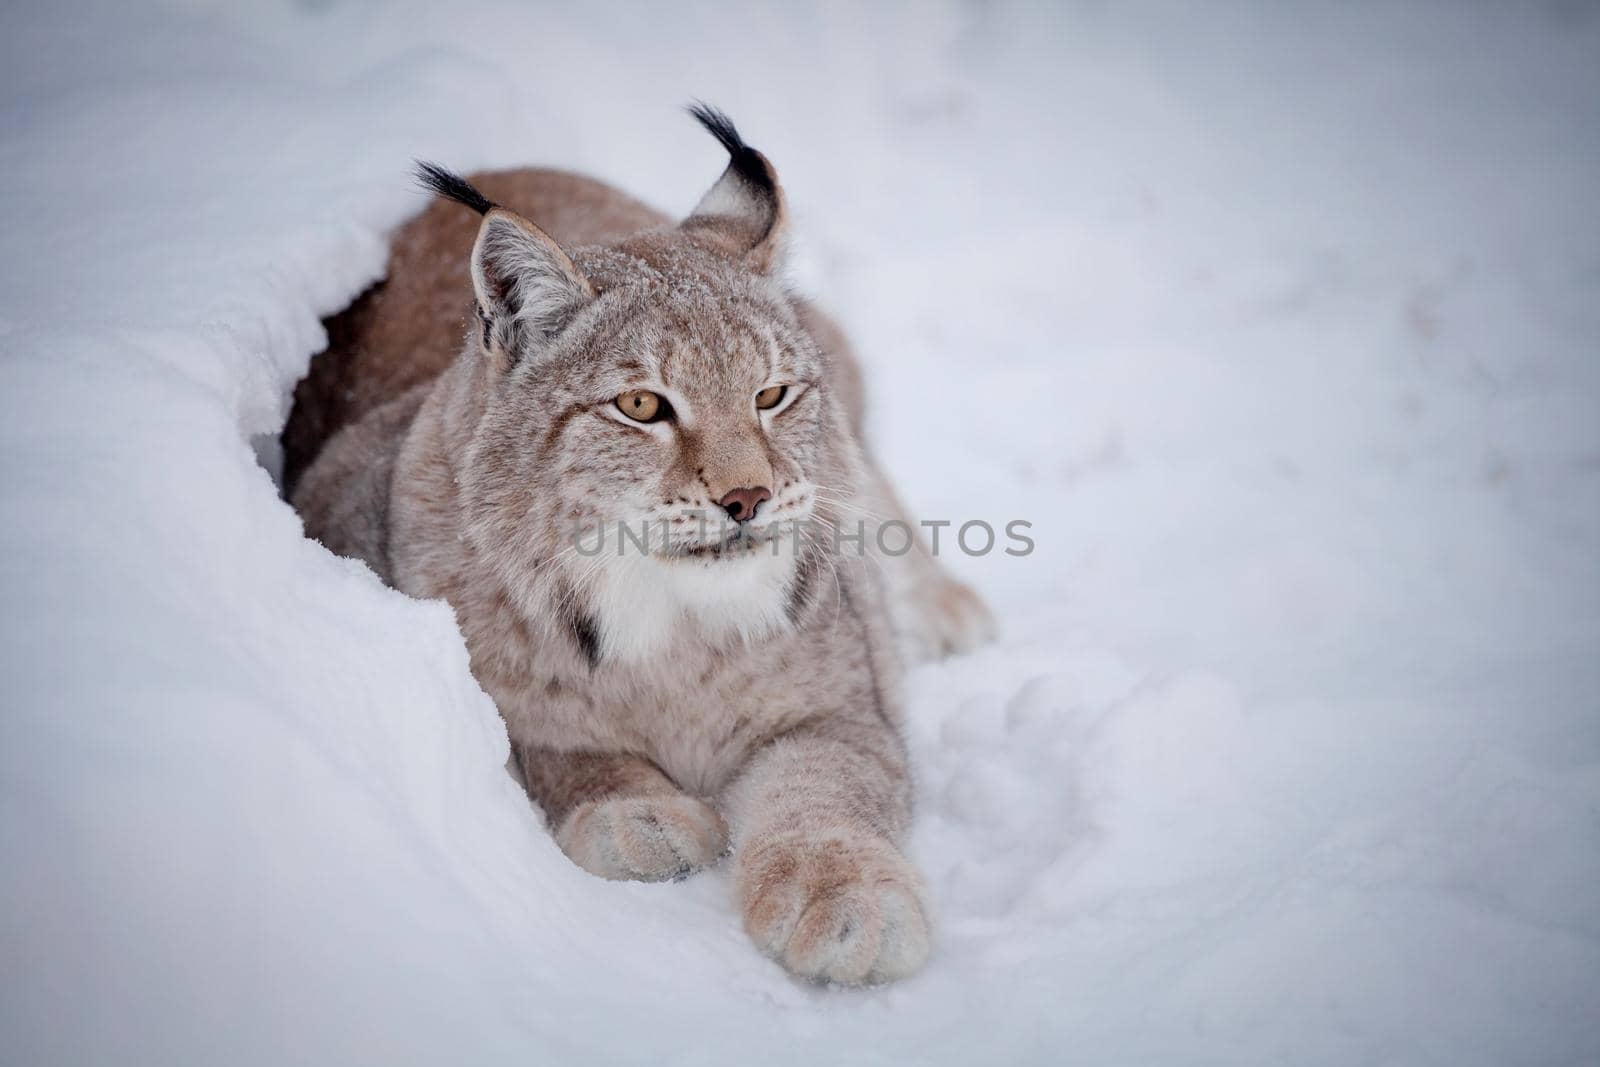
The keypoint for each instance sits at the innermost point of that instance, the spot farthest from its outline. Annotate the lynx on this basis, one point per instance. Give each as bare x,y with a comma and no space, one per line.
718,690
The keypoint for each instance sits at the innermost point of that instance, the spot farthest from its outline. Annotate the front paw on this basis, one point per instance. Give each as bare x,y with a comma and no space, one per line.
841,907
648,839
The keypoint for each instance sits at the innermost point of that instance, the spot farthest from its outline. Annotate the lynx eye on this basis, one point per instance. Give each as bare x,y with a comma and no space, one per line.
642,405
770,396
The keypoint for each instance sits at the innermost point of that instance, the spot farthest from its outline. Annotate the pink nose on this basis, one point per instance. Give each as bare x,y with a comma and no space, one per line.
741,504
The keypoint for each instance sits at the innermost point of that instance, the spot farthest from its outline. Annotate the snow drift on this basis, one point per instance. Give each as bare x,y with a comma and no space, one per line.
1278,324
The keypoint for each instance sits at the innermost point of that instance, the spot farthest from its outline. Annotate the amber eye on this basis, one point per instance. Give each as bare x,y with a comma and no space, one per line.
769,397
642,405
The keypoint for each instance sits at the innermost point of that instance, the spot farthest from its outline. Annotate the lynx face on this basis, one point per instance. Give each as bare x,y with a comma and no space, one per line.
661,489
701,418
656,427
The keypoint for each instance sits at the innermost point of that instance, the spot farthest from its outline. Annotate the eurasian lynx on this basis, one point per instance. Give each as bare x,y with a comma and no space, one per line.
726,687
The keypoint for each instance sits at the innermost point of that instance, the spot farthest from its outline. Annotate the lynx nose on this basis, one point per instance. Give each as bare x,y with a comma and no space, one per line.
741,504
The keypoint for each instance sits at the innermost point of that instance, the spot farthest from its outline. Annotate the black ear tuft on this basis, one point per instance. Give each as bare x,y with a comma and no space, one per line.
453,186
743,213
745,161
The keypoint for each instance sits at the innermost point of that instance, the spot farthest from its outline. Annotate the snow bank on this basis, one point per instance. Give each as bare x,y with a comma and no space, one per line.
1277,323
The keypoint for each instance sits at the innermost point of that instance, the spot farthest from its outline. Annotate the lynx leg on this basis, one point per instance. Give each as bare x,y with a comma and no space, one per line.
935,614
820,882
618,816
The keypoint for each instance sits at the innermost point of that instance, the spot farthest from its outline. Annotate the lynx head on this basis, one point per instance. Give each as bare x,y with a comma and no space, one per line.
650,425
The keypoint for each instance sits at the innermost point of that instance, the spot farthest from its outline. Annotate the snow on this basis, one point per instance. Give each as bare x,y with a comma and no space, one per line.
1278,322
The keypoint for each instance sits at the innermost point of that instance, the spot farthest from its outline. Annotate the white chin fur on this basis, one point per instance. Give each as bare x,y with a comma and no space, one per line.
643,603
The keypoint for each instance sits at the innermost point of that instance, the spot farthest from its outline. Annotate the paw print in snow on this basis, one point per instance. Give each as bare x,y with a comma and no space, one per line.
1000,801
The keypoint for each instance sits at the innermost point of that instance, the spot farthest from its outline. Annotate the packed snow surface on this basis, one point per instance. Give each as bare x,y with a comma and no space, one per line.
1280,324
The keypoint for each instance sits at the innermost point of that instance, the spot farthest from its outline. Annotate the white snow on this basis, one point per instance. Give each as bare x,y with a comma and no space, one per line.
1279,323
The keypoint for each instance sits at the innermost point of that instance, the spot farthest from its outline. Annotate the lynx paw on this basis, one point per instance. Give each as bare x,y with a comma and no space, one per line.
648,838
838,908
953,619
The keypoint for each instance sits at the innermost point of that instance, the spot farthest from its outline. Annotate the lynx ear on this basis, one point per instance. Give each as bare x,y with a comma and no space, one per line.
743,214
527,287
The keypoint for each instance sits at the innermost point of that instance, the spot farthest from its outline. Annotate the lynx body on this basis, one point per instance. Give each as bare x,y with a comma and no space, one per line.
723,686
